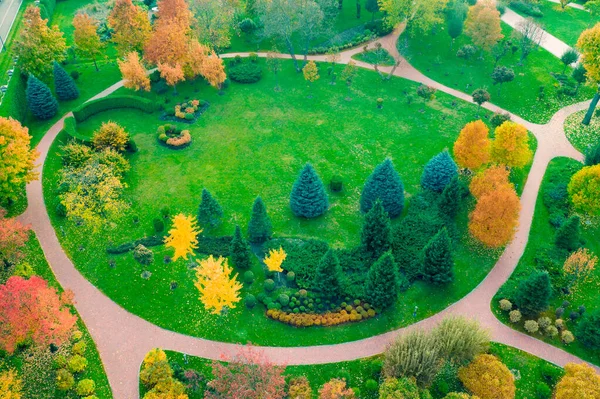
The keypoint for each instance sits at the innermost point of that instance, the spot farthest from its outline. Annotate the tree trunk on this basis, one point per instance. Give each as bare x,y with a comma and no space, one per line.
290,47
96,65
396,65
588,116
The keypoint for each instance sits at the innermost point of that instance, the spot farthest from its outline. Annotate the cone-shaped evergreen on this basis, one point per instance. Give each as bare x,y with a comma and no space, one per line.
567,236
259,227
450,199
40,100
308,198
64,85
209,211
376,235
384,184
438,263
439,171
328,276
382,284
533,293
239,251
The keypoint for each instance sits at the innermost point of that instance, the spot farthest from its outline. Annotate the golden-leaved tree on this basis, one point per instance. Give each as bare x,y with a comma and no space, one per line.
134,74
511,145
483,24
16,159
131,27
489,180
275,259
218,289
472,147
488,378
579,381
86,38
584,190
420,15
213,71
183,237
579,265
10,385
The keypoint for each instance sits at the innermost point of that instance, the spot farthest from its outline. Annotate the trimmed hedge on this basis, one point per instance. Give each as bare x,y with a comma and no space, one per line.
151,241
16,107
94,107
216,246
70,128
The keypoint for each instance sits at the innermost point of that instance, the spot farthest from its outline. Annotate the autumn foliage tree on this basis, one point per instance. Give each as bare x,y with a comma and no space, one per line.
86,38
16,159
336,389
34,312
579,265
511,145
584,190
483,25
472,147
157,375
488,378
110,135
218,289
10,385
246,375
213,70
131,27
491,179
579,381
13,237
134,74
275,259
183,237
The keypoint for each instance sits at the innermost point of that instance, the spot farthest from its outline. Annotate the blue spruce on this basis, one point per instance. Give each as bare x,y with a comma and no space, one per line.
64,85
308,198
40,100
384,184
439,172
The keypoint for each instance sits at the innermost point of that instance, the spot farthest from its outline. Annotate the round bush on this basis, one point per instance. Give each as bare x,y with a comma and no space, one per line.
505,305
552,331
284,299
250,301
64,380
269,285
371,385
291,276
76,336
531,326
143,255
79,348
85,387
77,364
159,225
542,391
567,337
75,75
515,316
248,277
245,72
559,323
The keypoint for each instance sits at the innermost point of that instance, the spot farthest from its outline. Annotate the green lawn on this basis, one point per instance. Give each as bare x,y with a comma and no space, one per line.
582,137
566,24
251,141
376,56
41,384
432,55
542,233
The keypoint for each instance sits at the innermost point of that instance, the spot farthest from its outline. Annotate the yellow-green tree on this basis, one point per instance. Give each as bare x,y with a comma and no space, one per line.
183,237
472,147
419,15
275,259
488,378
10,385
110,135
38,44
86,38
511,145
157,376
311,74
483,24
584,190
16,159
218,289
130,25
579,381
579,265
589,46
134,74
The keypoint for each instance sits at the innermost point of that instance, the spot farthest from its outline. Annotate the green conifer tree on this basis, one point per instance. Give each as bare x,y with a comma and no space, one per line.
533,293
376,235
438,172
308,198
450,199
567,236
40,100
384,184
239,251
328,276
438,263
209,211
588,330
64,85
383,282
259,227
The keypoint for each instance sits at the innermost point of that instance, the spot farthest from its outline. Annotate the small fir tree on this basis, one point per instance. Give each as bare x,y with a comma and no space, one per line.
439,171
239,250
383,282
64,85
328,276
450,199
438,263
384,184
567,236
40,100
533,293
376,235
308,198
259,227
588,330
209,211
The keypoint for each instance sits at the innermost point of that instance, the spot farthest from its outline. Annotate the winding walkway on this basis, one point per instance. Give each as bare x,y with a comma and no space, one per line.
123,338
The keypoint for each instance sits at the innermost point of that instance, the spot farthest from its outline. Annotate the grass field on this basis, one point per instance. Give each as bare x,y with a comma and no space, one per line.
582,137
272,134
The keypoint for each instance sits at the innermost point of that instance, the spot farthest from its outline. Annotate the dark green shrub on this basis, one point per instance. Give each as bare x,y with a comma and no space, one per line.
467,51
371,385
247,26
376,232
164,211
245,72
542,391
155,76
74,75
159,225
499,118
592,155
438,263
446,381
250,301
290,276
303,256
259,227
588,330
40,100
241,256
269,285
217,246
64,85
384,184
383,282
143,255
533,293
527,8
94,107
283,299
567,236
151,241
551,373
209,211
439,172
16,91
248,277
327,279
308,198
336,184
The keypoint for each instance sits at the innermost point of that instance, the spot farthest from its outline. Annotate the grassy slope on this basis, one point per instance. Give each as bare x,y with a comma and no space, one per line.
542,233
582,137
35,257
432,55
254,123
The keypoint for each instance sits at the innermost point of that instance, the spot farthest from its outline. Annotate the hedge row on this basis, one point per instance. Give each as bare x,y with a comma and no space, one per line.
70,128
14,102
151,241
217,246
94,107
47,9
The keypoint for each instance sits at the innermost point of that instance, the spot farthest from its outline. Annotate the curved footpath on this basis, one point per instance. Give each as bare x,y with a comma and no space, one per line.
123,339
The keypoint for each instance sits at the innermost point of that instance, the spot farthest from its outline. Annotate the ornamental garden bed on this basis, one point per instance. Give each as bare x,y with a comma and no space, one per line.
173,137
186,112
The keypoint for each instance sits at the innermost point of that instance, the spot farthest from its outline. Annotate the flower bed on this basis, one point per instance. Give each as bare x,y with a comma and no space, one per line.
173,137
187,112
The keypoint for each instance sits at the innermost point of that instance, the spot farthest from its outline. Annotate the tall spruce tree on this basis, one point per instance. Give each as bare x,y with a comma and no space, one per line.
239,251
438,263
308,198
533,293
259,227
567,236
40,100
209,211
439,172
376,235
383,282
64,85
384,184
450,199
328,276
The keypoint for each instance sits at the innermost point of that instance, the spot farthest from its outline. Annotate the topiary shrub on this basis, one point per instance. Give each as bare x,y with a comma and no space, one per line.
85,387
269,285
515,316
588,330
531,326
94,107
283,299
77,364
79,348
250,301
248,277
290,276
245,72
40,100
143,255
505,305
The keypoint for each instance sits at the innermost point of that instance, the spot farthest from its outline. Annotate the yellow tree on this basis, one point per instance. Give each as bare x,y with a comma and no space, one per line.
16,159
488,378
175,10
579,381
579,265
131,27
10,385
275,259
311,74
134,74
483,24
472,147
38,44
491,179
218,289
495,217
171,74
213,71
589,46
183,237
511,145
85,36
584,190
419,15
